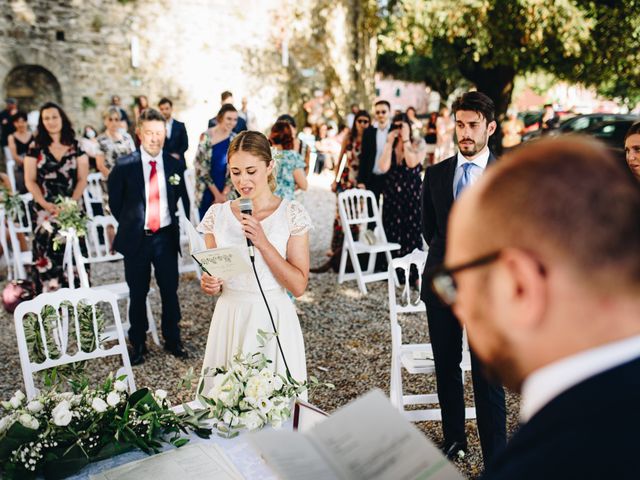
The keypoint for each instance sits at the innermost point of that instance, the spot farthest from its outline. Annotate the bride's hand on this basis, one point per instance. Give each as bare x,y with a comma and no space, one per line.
253,231
210,285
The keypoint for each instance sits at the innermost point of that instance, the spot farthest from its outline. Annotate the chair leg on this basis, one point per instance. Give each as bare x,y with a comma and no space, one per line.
152,324
343,263
358,272
371,264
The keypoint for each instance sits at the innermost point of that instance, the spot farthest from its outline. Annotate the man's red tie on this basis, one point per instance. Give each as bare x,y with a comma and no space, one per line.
154,199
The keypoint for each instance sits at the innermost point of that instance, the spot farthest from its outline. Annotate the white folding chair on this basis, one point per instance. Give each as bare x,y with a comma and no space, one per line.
59,331
190,184
353,206
98,254
414,358
22,217
92,194
17,260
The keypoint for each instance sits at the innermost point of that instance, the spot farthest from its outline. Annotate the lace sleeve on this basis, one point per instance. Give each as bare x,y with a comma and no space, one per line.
298,218
209,219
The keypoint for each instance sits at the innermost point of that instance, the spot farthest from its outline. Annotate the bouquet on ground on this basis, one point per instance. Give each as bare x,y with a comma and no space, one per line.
56,434
248,394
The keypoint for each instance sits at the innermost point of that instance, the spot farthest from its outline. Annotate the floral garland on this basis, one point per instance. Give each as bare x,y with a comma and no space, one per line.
70,216
57,434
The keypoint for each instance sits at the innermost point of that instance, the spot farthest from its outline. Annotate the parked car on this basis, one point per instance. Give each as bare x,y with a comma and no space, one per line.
580,123
612,134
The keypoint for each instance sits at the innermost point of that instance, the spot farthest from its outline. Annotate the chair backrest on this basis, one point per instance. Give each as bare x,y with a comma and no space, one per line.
64,306
7,251
359,207
92,193
190,184
98,240
408,302
19,270
11,165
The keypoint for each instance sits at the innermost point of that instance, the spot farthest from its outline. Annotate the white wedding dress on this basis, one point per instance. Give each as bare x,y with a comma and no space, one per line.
240,311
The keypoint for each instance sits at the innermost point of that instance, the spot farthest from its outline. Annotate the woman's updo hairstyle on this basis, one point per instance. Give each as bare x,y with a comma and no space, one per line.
226,108
256,144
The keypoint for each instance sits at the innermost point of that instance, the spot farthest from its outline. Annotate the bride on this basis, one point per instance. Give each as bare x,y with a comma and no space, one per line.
279,231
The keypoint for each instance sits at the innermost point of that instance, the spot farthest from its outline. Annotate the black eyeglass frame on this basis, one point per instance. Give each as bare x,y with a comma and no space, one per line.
442,282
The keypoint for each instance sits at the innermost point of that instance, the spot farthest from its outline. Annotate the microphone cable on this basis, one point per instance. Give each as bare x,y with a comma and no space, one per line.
273,323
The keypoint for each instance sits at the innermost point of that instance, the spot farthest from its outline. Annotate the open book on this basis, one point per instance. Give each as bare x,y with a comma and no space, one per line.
366,440
220,262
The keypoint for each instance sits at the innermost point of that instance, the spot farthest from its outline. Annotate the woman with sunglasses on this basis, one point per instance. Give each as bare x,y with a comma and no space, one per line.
346,174
402,160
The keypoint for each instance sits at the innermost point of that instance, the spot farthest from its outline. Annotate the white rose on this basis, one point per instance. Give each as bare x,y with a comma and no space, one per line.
99,405
277,382
28,421
61,414
256,387
266,373
75,400
251,420
265,405
230,395
119,386
34,406
15,402
218,381
113,399
6,422
19,395
229,418
161,394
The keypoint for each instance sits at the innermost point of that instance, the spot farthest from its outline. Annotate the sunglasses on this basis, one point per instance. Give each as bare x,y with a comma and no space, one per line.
381,112
444,284
363,122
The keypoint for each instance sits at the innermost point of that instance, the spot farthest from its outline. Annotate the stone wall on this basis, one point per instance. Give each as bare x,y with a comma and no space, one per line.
188,50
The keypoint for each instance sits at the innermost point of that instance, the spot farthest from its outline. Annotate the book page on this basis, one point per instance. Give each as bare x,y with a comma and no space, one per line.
369,439
223,263
292,455
192,462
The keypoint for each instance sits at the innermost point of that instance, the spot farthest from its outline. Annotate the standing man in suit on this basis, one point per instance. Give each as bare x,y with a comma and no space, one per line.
546,278
177,142
443,183
227,97
370,176
144,189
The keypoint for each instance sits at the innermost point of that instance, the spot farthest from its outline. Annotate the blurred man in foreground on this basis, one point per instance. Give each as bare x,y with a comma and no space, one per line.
551,302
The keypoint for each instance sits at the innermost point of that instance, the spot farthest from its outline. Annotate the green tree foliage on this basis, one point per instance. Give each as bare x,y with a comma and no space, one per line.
489,42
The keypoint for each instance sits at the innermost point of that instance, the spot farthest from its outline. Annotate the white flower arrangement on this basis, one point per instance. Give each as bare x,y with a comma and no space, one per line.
249,395
62,432
174,179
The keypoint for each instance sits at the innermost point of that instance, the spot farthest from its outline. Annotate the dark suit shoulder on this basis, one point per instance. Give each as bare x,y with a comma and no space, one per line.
441,168
133,157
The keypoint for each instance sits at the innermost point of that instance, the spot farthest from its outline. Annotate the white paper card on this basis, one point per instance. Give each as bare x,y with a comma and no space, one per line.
223,263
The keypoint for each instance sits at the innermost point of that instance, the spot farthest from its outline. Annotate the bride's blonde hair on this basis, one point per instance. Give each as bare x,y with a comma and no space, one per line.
257,145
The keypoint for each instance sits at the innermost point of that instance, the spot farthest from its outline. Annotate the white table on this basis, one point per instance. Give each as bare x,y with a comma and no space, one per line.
238,449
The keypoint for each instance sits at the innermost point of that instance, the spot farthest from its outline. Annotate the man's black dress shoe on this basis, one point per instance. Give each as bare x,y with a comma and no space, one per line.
136,354
177,351
454,450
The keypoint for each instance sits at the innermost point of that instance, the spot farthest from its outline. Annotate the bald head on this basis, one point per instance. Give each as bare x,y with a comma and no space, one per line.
568,201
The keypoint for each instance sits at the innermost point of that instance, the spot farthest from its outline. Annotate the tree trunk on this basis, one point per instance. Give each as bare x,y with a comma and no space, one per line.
497,84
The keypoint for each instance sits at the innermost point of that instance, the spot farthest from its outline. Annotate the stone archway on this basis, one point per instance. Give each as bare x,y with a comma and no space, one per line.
32,85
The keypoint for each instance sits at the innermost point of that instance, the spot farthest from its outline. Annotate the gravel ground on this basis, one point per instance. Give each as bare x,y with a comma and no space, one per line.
346,334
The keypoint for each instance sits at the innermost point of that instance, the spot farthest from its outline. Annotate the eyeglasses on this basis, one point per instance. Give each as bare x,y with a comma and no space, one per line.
444,284
381,112
363,122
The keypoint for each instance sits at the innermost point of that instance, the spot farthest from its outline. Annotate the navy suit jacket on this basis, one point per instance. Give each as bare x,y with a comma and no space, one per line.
127,200
437,200
367,155
588,432
178,142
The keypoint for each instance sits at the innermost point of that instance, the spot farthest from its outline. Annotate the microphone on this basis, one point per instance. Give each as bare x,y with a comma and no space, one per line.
246,207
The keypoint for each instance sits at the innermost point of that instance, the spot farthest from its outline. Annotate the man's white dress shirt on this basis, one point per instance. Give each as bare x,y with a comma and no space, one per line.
479,165
548,382
169,124
381,140
165,216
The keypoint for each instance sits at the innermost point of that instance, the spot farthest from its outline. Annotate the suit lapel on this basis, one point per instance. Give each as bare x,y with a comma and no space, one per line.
139,176
168,164
448,183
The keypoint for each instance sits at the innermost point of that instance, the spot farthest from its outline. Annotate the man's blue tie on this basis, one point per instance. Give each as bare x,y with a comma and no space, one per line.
465,180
